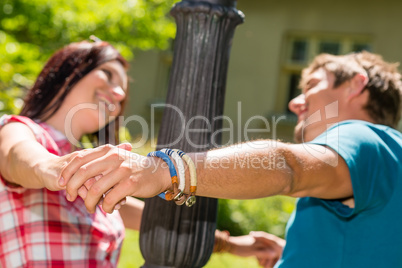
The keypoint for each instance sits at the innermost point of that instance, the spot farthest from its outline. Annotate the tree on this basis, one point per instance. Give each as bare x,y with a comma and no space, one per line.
31,30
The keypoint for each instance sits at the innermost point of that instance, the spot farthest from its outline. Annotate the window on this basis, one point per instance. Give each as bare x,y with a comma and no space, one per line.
301,48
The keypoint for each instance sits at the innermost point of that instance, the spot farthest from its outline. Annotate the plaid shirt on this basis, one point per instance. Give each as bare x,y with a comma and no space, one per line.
40,228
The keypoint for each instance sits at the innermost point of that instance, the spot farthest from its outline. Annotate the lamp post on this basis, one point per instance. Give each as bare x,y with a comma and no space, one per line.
180,236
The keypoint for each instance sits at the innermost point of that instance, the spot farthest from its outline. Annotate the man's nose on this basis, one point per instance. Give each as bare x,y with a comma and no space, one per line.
297,104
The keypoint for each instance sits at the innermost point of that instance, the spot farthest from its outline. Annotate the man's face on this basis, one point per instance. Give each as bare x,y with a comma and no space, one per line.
317,106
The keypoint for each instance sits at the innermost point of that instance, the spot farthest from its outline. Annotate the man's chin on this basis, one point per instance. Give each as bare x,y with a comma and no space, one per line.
298,133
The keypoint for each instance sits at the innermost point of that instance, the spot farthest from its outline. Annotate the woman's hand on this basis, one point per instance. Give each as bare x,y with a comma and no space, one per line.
48,170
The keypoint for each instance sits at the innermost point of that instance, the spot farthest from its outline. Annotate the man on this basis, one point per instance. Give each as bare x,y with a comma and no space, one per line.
346,170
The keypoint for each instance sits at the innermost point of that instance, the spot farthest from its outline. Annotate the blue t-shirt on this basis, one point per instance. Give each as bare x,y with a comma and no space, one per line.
326,233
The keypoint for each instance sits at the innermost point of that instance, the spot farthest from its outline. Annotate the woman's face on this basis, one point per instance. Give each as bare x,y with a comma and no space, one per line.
96,99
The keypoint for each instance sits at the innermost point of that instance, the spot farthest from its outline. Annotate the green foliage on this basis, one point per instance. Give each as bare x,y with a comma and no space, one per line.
10,101
31,30
270,214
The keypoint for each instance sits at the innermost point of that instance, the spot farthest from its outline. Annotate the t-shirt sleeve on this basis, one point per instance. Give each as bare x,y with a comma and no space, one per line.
370,162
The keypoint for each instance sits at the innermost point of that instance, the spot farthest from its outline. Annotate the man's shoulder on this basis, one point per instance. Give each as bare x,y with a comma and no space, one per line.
365,129
356,136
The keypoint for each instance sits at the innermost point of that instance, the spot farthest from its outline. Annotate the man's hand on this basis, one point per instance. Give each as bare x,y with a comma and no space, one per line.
267,248
116,169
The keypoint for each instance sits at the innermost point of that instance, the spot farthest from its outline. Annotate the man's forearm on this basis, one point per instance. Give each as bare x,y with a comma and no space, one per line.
243,171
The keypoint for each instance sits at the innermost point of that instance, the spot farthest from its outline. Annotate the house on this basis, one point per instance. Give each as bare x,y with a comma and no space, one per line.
276,41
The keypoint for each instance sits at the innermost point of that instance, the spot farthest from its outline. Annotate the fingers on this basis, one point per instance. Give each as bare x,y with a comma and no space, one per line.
90,165
267,238
268,260
79,160
262,235
125,146
113,200
81,177
82,192
270,248
93,172
267,263
111,186
121,203
268,253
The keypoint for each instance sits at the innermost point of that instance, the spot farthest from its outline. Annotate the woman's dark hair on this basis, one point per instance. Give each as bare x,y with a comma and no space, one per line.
61,73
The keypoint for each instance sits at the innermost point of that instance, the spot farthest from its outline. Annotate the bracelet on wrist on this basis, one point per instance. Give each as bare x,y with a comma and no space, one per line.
179,198
190,199
168,194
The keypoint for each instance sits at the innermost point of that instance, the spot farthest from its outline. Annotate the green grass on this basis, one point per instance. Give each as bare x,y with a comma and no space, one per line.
131,256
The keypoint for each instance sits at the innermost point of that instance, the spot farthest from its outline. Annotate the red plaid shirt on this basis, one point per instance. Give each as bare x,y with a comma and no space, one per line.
40,228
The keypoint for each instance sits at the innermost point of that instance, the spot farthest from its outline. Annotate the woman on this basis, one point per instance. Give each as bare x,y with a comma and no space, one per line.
80,91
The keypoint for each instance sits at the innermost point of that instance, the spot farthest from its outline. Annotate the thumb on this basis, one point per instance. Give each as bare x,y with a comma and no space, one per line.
125,146
259,235
268,238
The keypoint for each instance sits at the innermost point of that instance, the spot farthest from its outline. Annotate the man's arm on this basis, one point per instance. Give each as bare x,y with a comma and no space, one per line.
263,168
243,171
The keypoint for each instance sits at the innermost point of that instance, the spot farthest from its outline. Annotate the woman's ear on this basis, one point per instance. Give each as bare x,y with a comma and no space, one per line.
357,85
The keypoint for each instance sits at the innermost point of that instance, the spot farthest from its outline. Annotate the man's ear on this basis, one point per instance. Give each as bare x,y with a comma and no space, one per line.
357,85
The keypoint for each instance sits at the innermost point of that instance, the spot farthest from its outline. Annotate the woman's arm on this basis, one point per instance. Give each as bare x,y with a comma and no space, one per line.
25,162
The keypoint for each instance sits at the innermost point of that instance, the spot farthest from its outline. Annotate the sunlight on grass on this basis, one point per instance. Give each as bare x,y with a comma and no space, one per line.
131,254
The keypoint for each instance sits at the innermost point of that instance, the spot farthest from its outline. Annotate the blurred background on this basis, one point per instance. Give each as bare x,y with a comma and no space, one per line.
268,52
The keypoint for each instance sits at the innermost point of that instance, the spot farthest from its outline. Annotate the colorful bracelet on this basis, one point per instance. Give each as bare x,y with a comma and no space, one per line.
190,199
169,194
182,179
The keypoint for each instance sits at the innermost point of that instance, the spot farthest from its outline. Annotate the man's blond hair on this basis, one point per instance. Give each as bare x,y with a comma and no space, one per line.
384,85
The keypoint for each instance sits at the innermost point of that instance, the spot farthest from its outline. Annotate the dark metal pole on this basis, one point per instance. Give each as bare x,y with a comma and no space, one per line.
179,236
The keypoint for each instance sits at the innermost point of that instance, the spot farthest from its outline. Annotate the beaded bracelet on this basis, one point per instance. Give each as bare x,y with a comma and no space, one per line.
193,177
169,194
182,179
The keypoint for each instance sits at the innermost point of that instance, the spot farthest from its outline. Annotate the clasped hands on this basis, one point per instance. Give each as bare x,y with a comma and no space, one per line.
108,174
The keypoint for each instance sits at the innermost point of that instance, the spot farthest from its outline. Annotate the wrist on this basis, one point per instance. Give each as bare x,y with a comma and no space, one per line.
162,174
38,170
222,242
41,171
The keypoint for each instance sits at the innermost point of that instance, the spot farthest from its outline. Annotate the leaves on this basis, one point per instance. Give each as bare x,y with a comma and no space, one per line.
31,30
270,214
